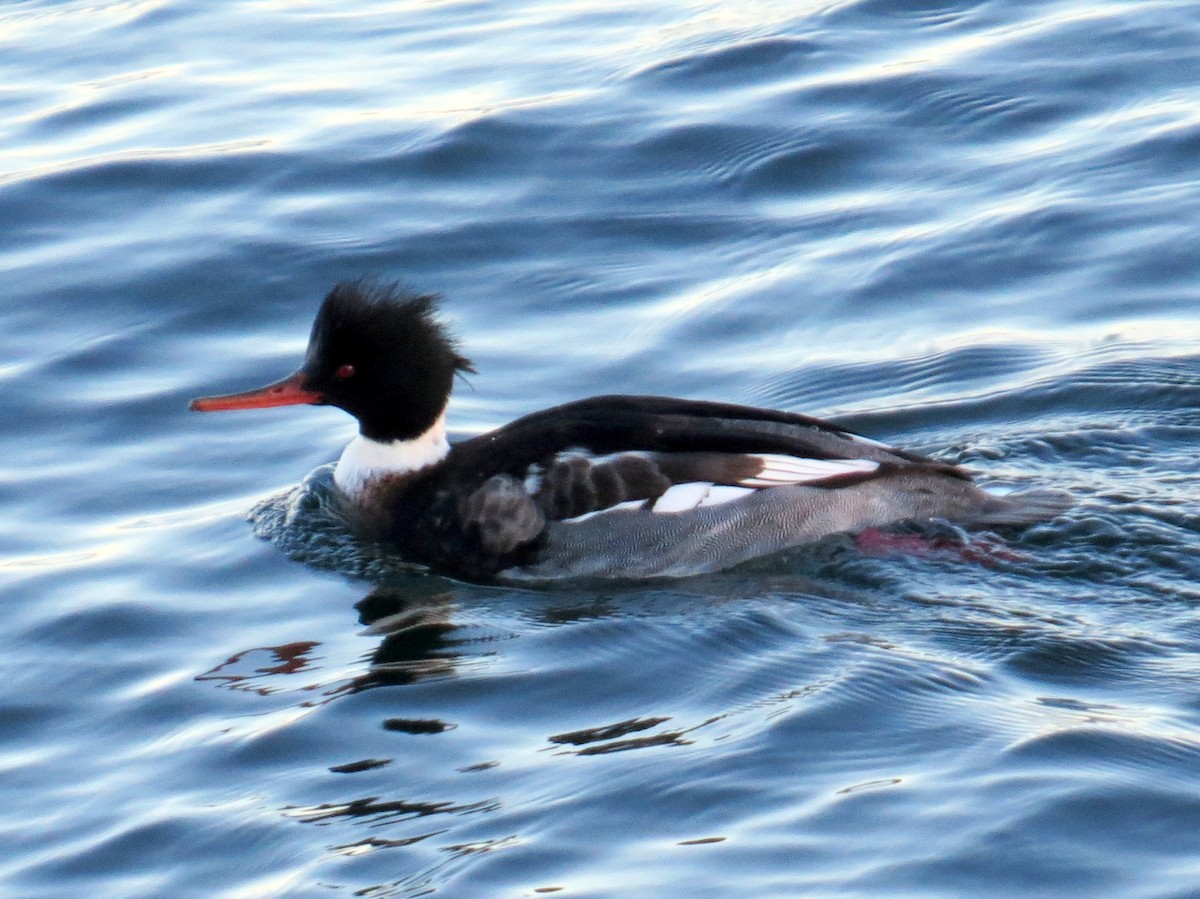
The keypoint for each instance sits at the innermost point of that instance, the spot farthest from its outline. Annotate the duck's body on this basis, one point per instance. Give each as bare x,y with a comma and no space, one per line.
615,486
624,486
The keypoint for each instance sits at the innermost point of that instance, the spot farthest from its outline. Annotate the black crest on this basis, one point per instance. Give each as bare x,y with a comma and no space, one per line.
384,356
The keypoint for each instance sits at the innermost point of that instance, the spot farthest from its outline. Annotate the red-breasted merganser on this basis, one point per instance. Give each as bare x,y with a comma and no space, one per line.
613,486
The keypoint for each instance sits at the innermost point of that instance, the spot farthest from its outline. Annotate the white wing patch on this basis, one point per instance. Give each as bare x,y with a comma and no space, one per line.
628,504
718,493
779,471
682,497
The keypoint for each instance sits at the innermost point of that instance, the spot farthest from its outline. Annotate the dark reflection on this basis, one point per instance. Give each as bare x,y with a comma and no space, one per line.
481,846
414,620
374,812
244,670
361,765
371,843
421,628
608,732
606,739
669,738
480,766
417,725
380,811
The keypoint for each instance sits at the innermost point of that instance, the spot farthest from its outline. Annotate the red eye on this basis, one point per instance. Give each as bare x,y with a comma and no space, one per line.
343,372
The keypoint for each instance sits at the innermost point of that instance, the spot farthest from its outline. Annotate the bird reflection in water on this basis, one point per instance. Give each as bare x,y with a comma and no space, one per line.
246,669
414,621
413,618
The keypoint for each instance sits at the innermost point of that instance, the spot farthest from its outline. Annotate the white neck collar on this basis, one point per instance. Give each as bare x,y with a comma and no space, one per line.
365,460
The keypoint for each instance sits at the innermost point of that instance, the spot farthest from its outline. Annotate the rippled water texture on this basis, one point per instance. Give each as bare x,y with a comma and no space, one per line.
966,228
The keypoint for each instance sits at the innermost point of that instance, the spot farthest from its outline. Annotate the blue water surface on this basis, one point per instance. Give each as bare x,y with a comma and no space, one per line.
968,228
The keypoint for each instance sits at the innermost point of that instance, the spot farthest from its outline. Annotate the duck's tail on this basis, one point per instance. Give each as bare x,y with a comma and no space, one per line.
1022,507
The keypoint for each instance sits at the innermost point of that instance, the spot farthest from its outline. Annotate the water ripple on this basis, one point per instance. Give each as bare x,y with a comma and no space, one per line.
965,227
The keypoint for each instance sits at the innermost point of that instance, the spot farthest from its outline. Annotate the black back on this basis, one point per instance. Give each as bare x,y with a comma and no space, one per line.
453,513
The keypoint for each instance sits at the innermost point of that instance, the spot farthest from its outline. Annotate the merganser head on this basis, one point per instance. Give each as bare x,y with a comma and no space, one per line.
375,351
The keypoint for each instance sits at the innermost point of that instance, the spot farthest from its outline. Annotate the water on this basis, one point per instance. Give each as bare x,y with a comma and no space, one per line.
966,228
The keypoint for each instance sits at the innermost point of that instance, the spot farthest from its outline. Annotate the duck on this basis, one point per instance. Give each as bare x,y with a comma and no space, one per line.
616,486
